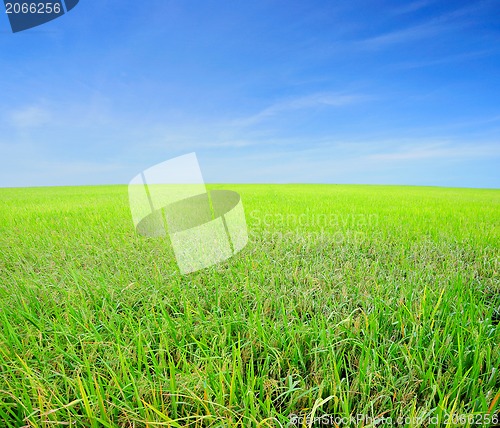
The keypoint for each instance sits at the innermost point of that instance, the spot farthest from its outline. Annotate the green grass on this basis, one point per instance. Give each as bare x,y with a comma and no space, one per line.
373,300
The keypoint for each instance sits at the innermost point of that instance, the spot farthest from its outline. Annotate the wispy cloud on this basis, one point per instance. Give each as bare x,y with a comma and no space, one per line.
466,56
401,36
30,116
323,99
411,7
443,150
27,164
436,26
90,110
417,162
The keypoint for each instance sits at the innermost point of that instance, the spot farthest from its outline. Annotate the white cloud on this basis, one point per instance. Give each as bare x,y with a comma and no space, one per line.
30,116
325,99
411,7
463,57
448,22
439,151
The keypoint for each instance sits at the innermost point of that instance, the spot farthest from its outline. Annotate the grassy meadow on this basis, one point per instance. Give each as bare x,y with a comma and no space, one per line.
370,302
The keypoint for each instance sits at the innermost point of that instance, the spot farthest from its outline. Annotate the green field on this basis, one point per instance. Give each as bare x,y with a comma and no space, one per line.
379,301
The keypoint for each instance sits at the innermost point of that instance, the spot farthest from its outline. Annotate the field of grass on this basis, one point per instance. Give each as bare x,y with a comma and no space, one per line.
362,301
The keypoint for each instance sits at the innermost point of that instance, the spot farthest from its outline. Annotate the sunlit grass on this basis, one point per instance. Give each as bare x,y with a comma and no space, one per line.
347,300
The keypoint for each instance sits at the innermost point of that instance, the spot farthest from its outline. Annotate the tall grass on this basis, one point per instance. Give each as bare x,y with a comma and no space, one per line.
348,300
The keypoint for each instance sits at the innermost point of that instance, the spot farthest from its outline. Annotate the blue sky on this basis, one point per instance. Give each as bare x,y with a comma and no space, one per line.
377,92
